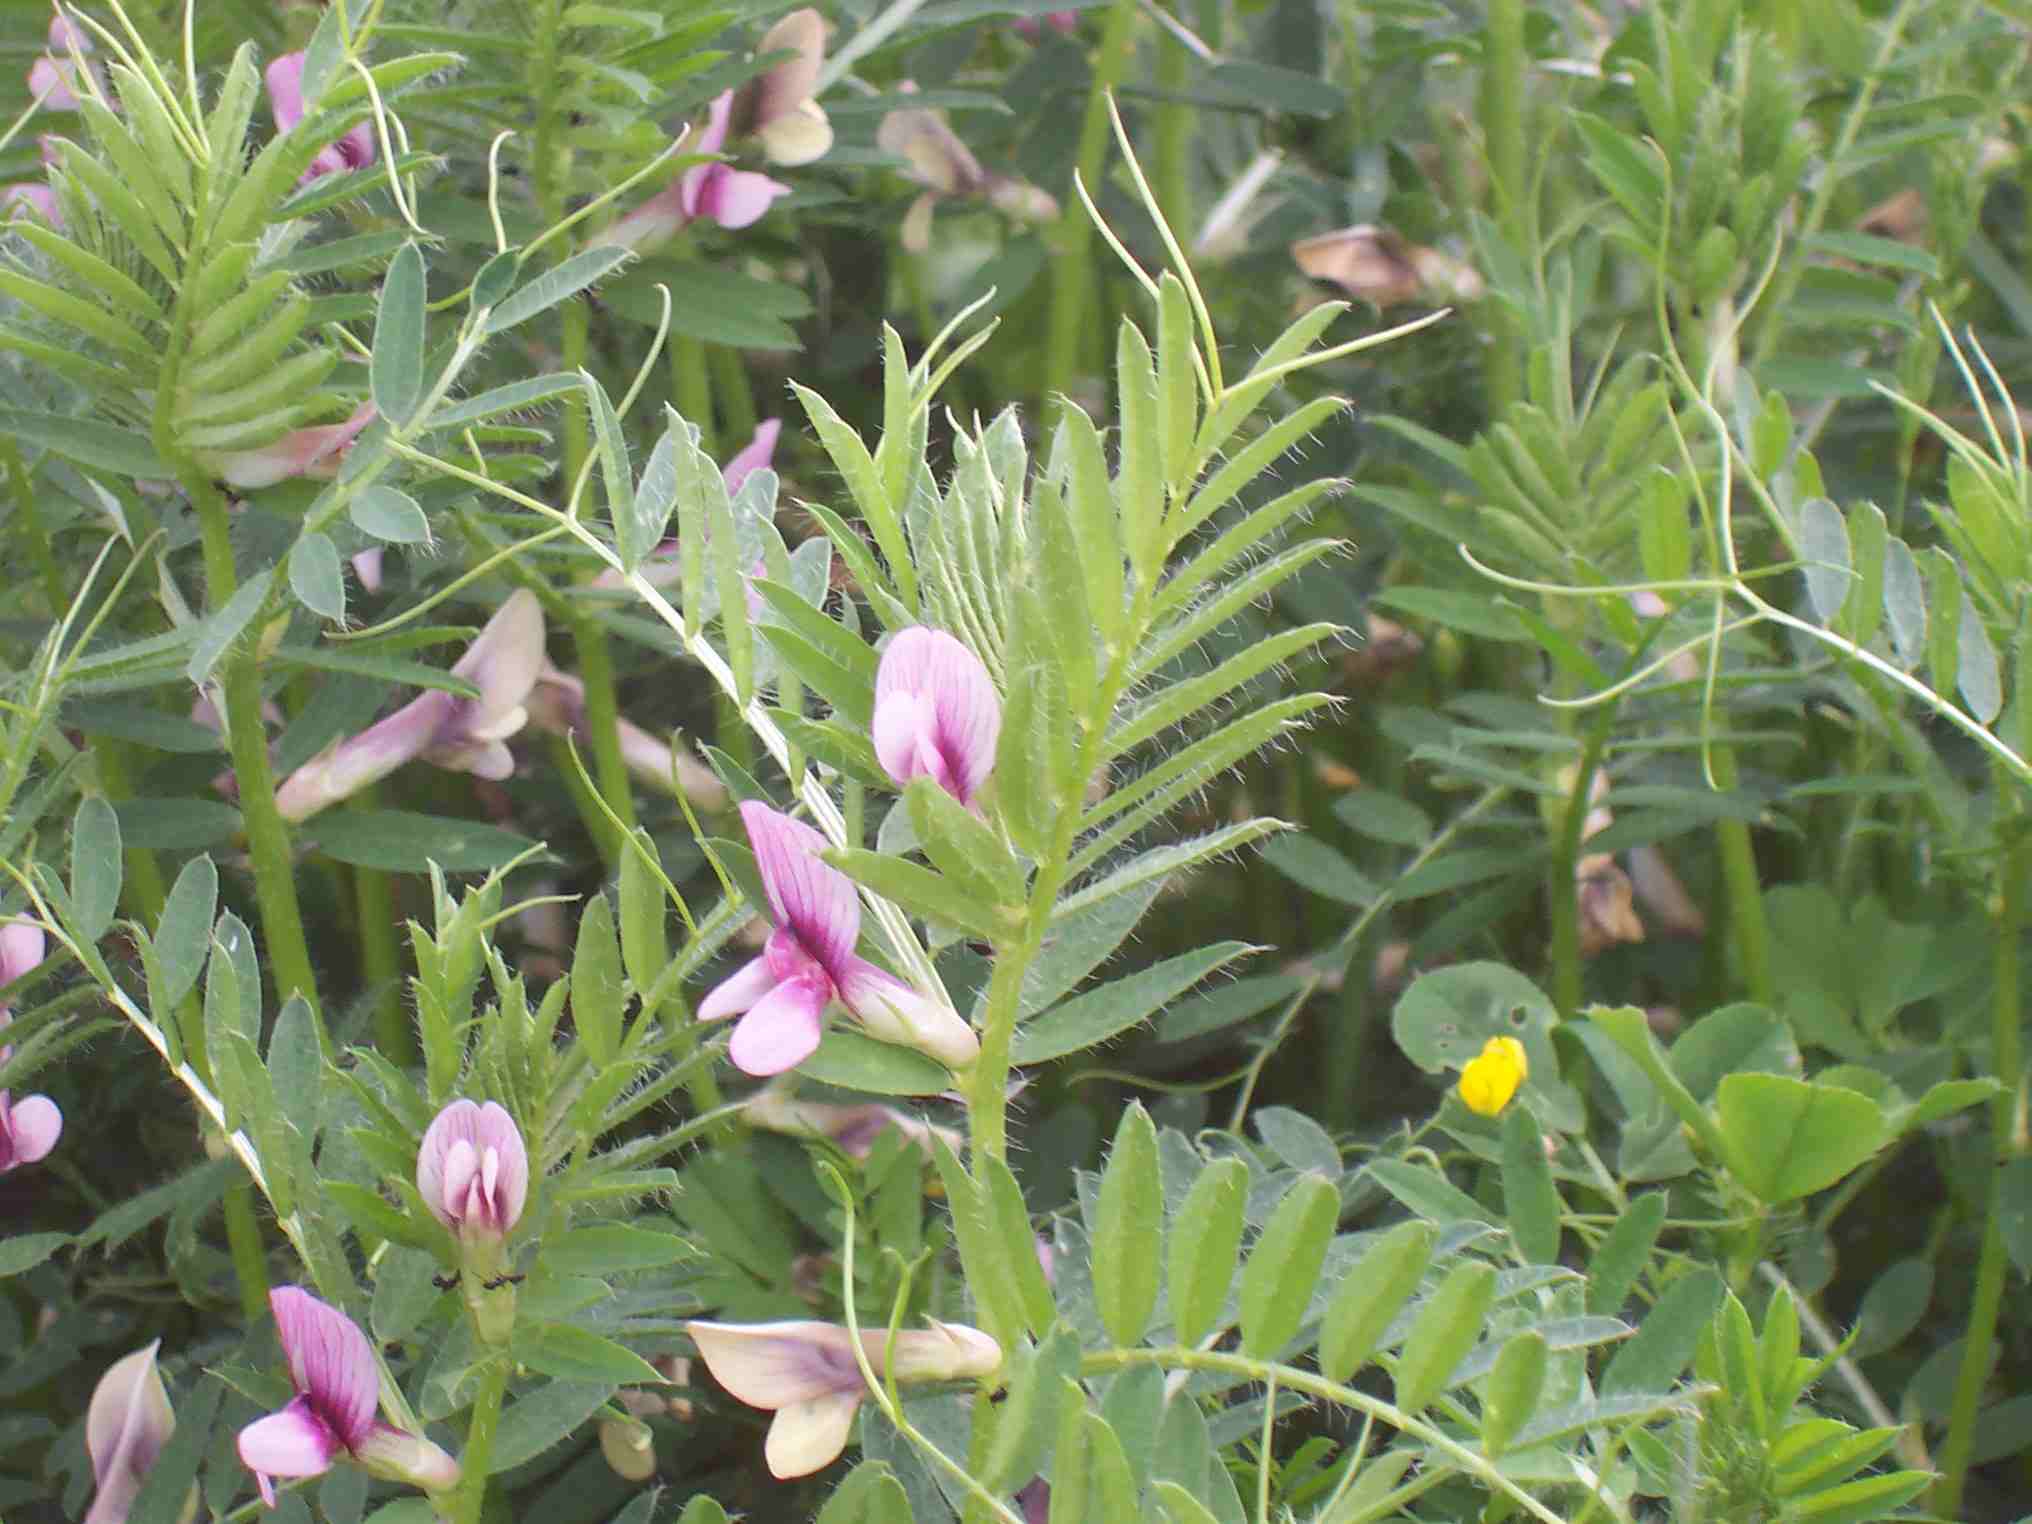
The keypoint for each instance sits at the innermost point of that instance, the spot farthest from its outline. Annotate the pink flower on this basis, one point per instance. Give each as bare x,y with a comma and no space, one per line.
30,1126
776,106
851,1129
312,452
734,198
126,1427
806,1373
809,962
458,734
1032,27
472,1170
937,714
285,99
332,1367
940,162
558,704
37,199
53,77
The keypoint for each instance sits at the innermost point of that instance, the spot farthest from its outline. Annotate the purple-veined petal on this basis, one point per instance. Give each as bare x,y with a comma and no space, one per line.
506,1161
895,1012
956,719
294,1442
755,455
738,991
126,1427
734,198
330,1362
771,1365
472,1167
285,91
781,1030
29,1129
809,1436
814,901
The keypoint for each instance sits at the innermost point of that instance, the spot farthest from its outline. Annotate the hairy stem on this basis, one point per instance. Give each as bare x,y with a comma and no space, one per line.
1502,111
1747,925
381,960
2007,1062
479,1451
267,832
243,1242
1074,279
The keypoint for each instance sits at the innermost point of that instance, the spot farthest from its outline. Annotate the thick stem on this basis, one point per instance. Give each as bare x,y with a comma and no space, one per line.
243,1242
1073,279
381,961
691,389
1748,928
732,395
267,832
471,1497
1502,110
2008,1063
603,732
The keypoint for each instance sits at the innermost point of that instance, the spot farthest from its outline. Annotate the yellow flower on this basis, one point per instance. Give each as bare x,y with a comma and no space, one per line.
1492,1076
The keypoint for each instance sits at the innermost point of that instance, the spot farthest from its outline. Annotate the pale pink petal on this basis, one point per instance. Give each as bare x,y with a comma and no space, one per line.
39,199
126,1427
809,1436
950,732
738,991
330,1362
367,567
755,455
450,1127
652,223
347,766
32,1124
713,136
285,90
503,663
770,1365
815,901
781,1030
500,1142
312,452
461,1166
294,1442
894,1012
734,198
23,945
49,81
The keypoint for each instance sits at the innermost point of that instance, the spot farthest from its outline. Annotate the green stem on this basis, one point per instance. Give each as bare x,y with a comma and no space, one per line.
267,832
1746,899
243,1242
732,394
1171,154
1502,111
143,889
31,520
691,389
381,960
1073,282
479,1452
1563,888
2008,1063
603,733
